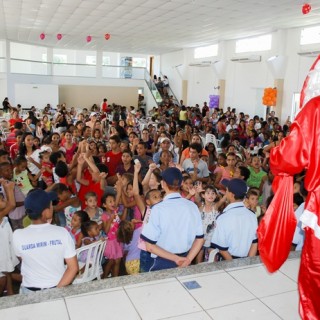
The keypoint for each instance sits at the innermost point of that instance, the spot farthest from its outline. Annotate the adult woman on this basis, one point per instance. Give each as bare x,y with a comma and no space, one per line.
69,146
183,117
46,125
242,132
14,118
55,142
212,159
28,150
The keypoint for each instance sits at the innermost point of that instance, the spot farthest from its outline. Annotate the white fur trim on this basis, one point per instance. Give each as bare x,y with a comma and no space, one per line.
310,219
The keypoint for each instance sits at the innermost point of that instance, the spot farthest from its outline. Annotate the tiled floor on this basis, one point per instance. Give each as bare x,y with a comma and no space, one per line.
240,293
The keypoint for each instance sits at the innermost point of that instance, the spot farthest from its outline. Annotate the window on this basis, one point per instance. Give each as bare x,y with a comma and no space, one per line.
310,35
139,62
205,52
91,60
26,51
60,58
262,43
2,49
106,61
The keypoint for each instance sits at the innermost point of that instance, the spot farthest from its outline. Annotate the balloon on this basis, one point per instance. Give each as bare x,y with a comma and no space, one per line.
89,38
42,36
306,8
59,36
107,36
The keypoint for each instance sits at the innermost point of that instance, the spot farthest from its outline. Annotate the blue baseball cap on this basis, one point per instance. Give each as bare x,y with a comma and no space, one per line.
172,176
236,186
37,201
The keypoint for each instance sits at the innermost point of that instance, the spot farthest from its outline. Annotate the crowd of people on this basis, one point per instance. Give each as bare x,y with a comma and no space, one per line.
162,190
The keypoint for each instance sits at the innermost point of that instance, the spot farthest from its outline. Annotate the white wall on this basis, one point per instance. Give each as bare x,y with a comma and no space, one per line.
244,81
36,95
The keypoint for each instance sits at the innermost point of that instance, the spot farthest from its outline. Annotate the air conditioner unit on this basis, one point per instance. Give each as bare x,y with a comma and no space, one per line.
248,59
311,54
203,63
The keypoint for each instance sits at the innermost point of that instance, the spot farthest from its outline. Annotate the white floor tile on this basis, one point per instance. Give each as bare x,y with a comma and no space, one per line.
192,316
286,305
148,283
191,276
261,283
248,310
52,310
162,300
291,269
218,290
113,305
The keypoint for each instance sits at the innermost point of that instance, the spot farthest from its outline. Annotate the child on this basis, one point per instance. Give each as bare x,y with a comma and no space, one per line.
209,213
252,201
67,206
127,235
113,251
22,177
79,217
91,233
152,197
187,189
256,173
152,179
47,168
90,179
91,201
8,260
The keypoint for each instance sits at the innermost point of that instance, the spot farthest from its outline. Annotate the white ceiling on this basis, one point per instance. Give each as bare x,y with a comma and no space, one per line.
147,26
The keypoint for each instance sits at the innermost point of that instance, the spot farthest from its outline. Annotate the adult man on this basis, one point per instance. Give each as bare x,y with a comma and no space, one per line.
165,145
235,232
300,150
196,167
44,248
174,233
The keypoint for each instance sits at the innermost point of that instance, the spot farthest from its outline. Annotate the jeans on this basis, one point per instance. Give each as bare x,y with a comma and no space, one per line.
146,261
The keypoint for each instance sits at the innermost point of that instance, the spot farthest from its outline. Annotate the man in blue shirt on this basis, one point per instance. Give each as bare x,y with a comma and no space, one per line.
235,233
174,233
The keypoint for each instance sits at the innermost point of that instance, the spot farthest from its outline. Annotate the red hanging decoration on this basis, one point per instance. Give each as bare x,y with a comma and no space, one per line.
89,38
42,36
107,36
59,36
306,8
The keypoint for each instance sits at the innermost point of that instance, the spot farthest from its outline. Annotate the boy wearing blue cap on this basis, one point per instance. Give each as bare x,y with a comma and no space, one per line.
235,233
174,233
43,248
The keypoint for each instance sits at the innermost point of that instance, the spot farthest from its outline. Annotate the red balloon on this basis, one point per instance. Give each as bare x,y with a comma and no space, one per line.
89,38
107,36
306,8
42,36
59,36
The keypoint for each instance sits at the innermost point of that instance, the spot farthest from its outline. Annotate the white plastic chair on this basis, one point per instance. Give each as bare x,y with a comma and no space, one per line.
212,255
92,265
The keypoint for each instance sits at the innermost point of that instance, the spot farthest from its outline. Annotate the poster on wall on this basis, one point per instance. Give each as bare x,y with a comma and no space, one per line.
214,101
126,71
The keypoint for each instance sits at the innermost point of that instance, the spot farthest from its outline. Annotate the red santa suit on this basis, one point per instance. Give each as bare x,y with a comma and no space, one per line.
299,151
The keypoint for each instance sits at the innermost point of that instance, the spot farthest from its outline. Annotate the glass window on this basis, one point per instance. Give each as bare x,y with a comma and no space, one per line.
91,60
27,52
205,52
60,58
106,61
2,49
262,43
139,62
310,35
